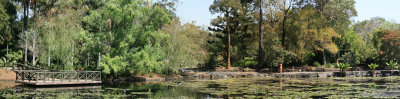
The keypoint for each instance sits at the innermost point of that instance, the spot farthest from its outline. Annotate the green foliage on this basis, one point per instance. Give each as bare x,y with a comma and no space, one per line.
112,65
8,15
392,64
146,37
329,65
246,62
355,50
11,59
308,32
190,39
316,64
4,17
241,17
147,61
373,66
398,67
343,66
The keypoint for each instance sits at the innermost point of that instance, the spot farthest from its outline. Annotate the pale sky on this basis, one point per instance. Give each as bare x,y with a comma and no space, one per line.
197,10
388,9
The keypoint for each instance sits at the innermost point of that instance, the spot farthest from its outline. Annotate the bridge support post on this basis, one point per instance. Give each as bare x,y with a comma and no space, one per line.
86,75
70,76
36,77
23,76
77,76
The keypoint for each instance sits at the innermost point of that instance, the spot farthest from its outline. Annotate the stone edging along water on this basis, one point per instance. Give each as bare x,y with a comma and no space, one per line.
379,73
224,75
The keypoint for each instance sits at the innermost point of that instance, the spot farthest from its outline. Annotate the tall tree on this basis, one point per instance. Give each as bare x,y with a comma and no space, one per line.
5,35
288,9
309,32
260,42
338,14
133,37
226,7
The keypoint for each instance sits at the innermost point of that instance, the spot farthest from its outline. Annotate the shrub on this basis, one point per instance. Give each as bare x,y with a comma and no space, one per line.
317,64
392,64
247,62
373,66
342,66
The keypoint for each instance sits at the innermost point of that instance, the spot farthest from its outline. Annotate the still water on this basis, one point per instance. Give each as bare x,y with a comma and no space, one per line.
105,91
286,88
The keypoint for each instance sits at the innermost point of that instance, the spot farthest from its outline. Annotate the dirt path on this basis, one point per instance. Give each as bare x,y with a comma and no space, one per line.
7,74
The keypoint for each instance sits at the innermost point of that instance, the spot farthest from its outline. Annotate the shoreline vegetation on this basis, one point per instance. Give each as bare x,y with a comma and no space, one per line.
252,49
146,38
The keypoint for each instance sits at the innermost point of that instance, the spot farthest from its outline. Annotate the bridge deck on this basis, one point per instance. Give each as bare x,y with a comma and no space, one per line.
42,82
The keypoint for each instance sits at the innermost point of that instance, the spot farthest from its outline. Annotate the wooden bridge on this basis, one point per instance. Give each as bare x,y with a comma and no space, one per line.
40,76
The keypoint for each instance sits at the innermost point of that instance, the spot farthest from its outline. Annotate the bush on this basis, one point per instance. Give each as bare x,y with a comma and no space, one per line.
373,66
392,64
247,62
11,59
343,66
317,64
112,65
329,65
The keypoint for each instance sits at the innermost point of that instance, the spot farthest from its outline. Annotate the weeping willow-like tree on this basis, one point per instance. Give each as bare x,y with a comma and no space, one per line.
127,31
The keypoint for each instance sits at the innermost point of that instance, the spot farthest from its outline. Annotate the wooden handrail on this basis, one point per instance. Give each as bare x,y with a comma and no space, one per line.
62,76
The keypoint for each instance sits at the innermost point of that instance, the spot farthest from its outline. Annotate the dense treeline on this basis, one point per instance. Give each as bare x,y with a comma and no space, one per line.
297,33
118,37
130,37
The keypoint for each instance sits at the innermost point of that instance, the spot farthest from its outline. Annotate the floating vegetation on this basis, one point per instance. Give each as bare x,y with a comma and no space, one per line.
356,87
362,87
124,90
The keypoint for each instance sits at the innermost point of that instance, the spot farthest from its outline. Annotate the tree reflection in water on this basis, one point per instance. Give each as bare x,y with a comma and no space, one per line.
109,90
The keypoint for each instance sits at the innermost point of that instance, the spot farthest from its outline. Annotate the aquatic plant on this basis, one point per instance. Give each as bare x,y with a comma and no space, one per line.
392,64
289,88
373,66
343,67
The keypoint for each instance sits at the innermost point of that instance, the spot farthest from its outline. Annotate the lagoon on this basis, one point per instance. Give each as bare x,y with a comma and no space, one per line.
266,87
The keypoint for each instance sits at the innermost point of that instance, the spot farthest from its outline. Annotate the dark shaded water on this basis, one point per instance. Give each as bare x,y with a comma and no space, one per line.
284,88
104,91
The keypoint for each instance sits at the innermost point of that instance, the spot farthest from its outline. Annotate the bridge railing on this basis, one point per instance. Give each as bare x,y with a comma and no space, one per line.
59,76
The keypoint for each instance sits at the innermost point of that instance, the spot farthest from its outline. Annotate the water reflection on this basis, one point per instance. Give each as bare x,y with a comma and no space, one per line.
104,91
286,88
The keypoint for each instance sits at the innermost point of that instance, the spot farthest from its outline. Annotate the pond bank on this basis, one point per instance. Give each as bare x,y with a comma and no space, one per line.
379,73
6,74
242,73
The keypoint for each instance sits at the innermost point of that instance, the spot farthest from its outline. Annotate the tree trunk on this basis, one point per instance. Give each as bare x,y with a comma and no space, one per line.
48,61
229,41
87,61
26,51
99,60
72,60
25,4
373,73
25,28
34,50
260,51
283,32
7,48
324,56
